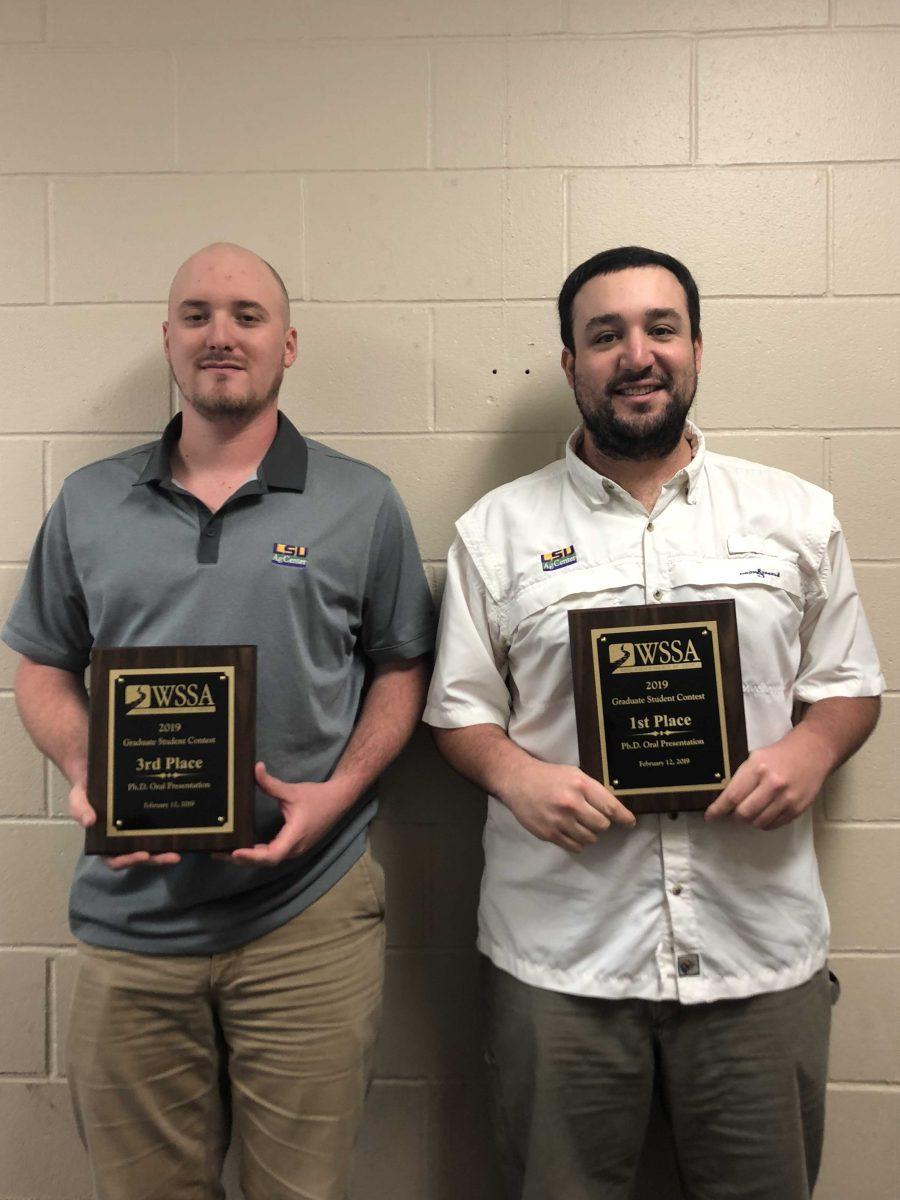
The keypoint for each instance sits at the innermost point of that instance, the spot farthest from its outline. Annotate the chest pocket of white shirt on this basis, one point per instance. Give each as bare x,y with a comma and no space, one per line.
768,593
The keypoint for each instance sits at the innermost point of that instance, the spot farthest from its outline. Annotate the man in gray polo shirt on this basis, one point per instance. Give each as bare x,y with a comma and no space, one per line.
251,980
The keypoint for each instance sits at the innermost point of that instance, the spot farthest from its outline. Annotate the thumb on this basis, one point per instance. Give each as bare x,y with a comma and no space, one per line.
269,784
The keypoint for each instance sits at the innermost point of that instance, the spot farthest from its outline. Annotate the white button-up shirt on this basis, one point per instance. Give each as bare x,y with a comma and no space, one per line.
675,908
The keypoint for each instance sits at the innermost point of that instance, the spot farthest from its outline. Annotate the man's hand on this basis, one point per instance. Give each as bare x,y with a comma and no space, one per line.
309,811
772,787
562,805
80,810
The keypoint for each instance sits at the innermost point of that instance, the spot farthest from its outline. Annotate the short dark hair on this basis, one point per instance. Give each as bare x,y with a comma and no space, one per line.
608,262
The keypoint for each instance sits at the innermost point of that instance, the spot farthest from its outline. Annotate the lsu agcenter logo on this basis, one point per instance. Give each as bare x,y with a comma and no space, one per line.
661,654
145,699
552,560
284,555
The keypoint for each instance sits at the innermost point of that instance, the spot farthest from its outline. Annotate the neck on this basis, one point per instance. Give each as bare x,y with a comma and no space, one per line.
642,478
225,447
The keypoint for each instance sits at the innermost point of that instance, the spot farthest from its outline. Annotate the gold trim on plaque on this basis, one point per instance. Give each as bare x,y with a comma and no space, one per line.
713,627
124,672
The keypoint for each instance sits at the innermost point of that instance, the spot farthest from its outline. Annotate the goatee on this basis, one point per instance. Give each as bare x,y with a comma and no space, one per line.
636,439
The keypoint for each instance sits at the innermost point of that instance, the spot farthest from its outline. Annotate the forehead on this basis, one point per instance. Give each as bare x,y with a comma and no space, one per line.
223,275
628,294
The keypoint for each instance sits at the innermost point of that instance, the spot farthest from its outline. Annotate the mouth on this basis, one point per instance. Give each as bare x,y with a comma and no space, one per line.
220,366
638,391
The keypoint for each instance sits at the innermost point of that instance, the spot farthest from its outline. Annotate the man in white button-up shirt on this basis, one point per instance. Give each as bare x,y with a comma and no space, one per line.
683,951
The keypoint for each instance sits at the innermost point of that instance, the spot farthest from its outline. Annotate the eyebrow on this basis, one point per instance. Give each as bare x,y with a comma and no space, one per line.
650,314
241,304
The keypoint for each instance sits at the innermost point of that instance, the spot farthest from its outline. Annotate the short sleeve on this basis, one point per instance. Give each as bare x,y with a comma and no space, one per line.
48,621
838,655
398,614
468,686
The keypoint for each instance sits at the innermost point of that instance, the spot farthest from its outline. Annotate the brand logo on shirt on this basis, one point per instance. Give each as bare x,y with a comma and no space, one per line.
761,574
284,555
669,654
144,698
552,560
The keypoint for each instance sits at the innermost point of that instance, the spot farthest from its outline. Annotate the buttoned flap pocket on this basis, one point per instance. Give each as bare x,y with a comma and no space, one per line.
748,569
573,587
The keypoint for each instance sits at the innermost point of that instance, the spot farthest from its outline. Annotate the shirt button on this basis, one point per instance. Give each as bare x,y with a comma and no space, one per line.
677,889
650,527
211,531
657,595
607,485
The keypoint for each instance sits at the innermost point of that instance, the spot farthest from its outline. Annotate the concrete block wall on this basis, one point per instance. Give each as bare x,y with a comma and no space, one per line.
424,174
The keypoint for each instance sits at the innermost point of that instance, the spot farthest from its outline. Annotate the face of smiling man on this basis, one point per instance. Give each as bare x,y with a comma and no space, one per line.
228,338
634,370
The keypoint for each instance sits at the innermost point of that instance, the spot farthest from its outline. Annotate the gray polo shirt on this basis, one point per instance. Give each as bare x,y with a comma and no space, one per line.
125,557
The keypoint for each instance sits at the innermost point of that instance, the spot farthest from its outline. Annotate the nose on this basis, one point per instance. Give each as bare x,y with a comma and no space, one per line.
636,354
220,332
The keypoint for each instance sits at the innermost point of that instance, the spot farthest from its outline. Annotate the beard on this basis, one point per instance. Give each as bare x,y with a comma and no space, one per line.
637,438
216,406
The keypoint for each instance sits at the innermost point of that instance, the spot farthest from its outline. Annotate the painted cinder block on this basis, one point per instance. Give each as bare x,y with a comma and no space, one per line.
462,1160
21,20
439,477
326,107
169,22
864,1043
497,367
424,18
85,110
405,236
649,16
176,215
21,767
740,232
419,788
798,98
36,864
865,788
10,582
574,103
866,486
866,12
783,364
861,1157
866,248
360,368
801,454
405,855
533,235
23,219
73,369
858,868
23,1040
39,1148
64,968
468,89
21,496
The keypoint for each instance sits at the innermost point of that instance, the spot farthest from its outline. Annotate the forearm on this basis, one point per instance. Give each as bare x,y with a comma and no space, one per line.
390,712
833,730
483,754
53,705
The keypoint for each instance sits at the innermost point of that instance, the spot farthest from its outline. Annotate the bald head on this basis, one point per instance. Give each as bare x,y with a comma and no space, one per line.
247,275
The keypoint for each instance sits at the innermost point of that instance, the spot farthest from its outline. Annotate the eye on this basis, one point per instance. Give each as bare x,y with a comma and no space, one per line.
248,318
605,339
662,331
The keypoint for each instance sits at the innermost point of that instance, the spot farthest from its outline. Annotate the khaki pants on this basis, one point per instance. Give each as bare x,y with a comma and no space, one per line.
281,1030
742,1083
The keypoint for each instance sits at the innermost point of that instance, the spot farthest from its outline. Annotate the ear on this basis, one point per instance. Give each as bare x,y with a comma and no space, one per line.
567,362
290,347
165,328
698,352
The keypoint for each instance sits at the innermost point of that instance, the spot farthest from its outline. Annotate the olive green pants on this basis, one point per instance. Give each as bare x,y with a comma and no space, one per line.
279,1032
742,1083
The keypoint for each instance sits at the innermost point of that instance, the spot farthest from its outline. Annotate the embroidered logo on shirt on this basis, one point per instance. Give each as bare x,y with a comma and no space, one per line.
758,571
554,559
284,555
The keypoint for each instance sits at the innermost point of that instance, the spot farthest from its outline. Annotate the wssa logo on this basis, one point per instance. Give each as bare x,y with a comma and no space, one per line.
662,654
146,699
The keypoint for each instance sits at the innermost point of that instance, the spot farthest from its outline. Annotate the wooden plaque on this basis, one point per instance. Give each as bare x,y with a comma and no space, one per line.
171,748
659,702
